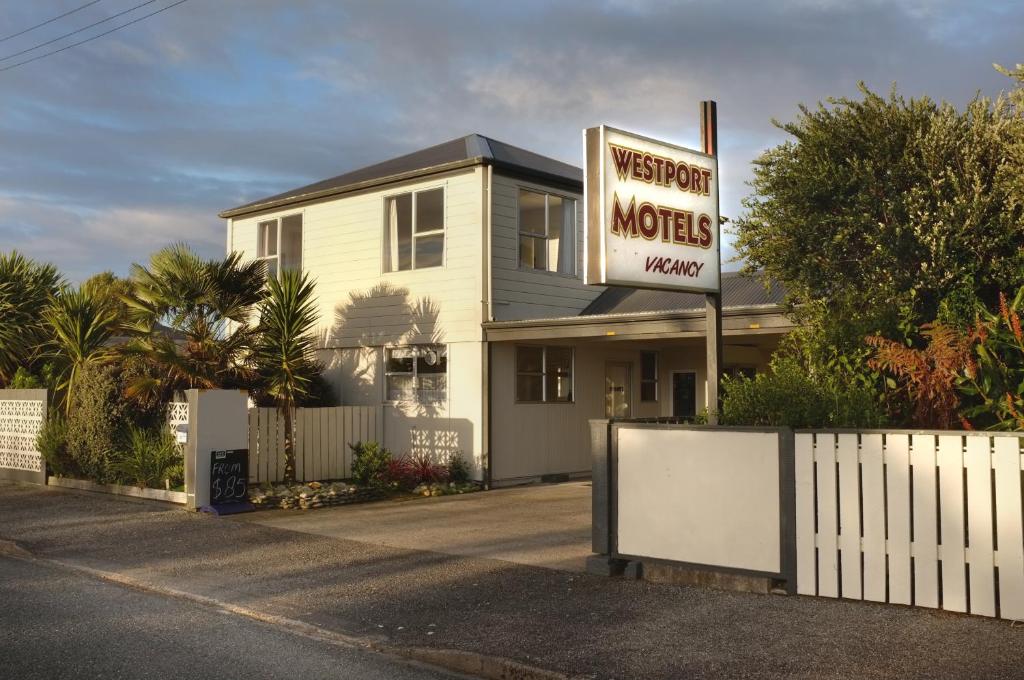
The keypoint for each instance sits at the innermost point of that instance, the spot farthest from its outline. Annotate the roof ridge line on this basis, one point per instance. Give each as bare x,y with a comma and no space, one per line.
478,146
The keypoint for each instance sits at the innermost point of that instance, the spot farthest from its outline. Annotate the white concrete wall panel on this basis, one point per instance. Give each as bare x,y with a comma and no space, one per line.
703,497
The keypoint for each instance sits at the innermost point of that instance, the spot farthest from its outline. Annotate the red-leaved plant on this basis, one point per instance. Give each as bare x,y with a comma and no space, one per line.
409,471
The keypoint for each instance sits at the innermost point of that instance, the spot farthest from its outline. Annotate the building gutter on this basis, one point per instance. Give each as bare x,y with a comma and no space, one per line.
745,320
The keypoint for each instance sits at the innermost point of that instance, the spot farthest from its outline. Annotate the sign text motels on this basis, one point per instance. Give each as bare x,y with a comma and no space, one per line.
652,213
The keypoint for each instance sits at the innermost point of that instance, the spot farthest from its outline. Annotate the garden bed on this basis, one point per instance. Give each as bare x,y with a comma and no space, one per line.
118,489
314,495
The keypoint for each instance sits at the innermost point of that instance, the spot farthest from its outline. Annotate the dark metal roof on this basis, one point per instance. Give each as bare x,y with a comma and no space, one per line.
465,151
737,291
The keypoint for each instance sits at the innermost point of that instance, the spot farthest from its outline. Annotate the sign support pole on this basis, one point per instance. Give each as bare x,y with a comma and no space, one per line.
712,301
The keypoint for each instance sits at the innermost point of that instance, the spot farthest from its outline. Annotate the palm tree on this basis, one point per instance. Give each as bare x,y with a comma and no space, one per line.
284,350
190,321
26,288
82,324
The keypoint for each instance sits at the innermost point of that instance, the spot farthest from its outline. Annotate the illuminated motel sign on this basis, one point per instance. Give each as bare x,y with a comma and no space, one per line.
652,213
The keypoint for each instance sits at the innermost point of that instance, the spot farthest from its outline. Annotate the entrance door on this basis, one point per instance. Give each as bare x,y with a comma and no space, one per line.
617,396
684,394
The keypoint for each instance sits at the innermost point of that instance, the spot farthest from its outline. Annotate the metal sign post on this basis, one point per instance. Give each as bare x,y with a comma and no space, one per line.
712,301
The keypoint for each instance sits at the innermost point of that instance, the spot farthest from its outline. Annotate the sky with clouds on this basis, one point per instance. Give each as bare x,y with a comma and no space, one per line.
137,139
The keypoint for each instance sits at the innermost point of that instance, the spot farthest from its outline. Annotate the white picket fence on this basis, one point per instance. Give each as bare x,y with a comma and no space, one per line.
322,438
932,520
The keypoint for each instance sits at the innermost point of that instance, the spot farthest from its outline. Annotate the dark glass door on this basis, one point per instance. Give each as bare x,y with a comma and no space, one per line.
684,395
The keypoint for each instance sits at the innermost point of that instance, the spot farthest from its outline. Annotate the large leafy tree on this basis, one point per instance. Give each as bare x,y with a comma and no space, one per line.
883,213
191,321
26,289
284,349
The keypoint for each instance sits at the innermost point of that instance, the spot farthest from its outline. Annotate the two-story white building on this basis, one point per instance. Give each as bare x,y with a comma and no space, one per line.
451,292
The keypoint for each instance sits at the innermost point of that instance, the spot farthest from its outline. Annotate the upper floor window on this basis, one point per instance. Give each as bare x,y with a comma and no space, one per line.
414,230
279,243
547,232
416,373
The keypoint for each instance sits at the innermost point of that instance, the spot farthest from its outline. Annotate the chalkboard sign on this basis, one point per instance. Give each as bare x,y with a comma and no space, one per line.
229,478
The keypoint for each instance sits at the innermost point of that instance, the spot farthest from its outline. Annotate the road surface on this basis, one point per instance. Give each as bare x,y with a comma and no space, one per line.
58,624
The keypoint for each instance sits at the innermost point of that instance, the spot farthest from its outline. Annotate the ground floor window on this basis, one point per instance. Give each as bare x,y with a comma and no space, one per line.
543,374
416,373
648,376
740,371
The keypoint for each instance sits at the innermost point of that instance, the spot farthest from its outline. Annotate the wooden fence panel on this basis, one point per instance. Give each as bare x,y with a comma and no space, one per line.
828,563
945,508
925,546
254,449
950,458
898,519
873,494
806,571
849,515
978,460
1010,558
322,438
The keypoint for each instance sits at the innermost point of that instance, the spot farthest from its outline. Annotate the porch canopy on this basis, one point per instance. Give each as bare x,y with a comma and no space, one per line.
748,309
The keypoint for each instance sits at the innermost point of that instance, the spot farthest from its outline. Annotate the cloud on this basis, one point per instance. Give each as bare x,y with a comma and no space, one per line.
113,149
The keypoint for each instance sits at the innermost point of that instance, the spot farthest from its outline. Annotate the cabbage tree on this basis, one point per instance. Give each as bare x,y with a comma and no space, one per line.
285,349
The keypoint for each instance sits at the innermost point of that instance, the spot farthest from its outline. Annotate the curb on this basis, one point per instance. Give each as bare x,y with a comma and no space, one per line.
467,663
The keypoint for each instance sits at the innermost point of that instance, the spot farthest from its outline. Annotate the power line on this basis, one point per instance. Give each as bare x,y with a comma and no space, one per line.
98,35
48,21
84,28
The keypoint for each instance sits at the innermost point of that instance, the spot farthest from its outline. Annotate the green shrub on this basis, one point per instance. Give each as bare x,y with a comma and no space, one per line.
458,468
369,463
101,416
52,442
147,458
787,395
97,415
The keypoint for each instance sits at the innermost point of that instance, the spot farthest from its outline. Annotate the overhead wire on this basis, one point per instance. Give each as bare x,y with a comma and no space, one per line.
91,38
76,31
49,21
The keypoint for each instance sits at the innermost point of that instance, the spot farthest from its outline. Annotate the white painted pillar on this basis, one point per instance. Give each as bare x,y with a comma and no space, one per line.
217,420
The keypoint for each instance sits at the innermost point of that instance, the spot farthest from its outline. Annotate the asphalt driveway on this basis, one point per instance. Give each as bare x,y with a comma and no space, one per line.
546,525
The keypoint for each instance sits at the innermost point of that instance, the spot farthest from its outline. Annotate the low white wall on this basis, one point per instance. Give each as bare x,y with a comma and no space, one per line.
22,414
699,496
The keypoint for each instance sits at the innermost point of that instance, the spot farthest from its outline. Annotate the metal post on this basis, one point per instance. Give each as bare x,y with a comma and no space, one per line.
712,301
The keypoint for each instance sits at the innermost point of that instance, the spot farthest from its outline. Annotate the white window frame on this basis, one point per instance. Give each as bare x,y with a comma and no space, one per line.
547,231
544,375
443,231
276,258
415,375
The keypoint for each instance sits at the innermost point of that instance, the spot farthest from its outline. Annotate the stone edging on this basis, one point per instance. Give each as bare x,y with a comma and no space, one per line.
118,489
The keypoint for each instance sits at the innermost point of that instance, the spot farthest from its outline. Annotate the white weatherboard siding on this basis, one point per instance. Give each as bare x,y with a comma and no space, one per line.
529,440
363,308
360,304
526,293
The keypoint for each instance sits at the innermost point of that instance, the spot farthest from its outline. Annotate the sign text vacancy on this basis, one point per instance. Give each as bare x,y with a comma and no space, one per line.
652,213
